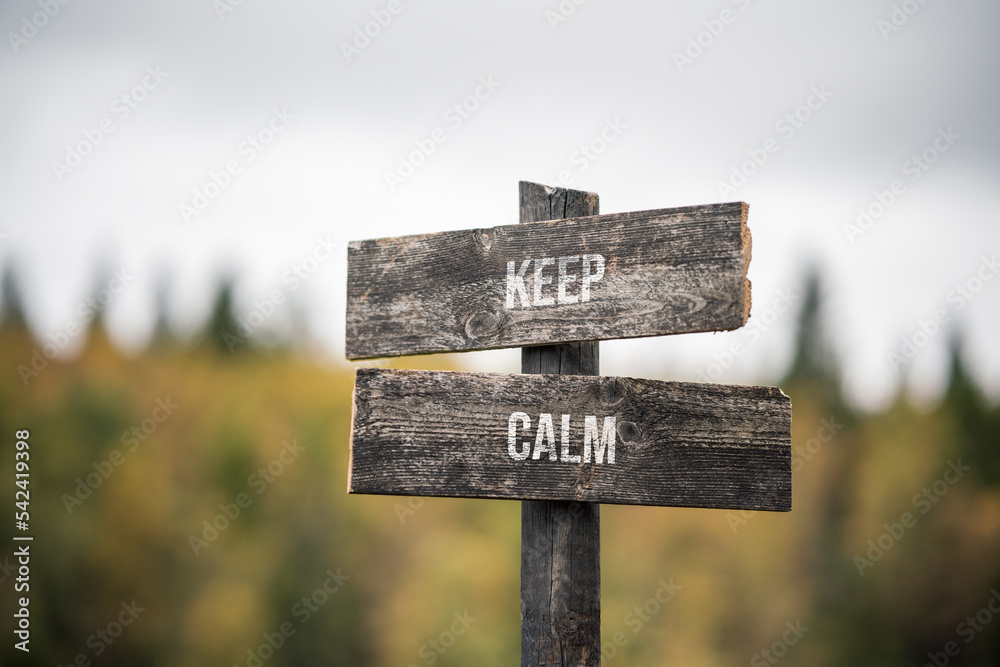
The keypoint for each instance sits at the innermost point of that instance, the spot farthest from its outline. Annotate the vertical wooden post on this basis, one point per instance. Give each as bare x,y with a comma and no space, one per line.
560,541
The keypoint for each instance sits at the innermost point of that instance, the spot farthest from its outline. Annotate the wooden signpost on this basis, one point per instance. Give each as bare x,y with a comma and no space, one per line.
552,437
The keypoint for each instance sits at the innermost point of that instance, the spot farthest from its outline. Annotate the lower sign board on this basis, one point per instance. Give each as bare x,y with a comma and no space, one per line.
570,437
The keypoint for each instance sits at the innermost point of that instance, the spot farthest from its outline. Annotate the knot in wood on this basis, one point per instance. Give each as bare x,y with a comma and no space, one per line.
613,391
484,324
571,623
485,238
629,431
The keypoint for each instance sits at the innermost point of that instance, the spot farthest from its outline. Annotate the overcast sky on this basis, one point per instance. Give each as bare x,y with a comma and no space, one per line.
118,117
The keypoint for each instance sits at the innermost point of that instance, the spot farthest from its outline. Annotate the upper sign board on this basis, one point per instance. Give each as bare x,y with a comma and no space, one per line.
623,275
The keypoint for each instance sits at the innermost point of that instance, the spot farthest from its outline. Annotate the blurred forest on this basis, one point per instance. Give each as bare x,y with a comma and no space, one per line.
140,463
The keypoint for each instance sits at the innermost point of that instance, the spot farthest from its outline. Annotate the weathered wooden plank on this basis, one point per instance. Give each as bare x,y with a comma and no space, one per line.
560,540
625,275
482,435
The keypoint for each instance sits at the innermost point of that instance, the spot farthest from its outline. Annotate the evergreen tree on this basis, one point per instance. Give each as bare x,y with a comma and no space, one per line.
96,308
813,358
222,330
976,425
11,305
814,365
163,335
814,382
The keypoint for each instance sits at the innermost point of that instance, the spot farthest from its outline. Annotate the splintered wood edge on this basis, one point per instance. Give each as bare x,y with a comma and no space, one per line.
746,248
350,439
791,414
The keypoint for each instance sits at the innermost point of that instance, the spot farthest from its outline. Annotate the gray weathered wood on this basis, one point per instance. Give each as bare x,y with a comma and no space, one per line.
560,584
435,433
560,540
666,271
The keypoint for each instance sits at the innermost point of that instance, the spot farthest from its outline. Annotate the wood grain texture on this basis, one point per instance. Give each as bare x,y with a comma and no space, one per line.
431,433
666,271
560,541
560,584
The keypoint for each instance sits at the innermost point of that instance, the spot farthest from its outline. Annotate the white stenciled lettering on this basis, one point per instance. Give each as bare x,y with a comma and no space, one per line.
566,456
588,278
517,455
592,271
545,441
515,283
541,281
598,443
566,278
